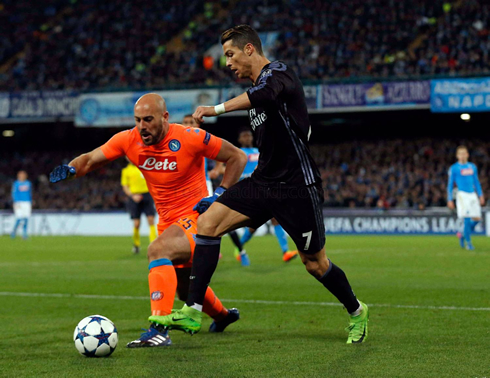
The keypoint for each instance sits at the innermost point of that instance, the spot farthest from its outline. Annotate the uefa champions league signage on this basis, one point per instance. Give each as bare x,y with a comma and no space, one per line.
350,222
395,224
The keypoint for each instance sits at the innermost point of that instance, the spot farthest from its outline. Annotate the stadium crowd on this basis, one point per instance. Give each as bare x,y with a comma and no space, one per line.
100,191
88,44
393,173
379,175
117,44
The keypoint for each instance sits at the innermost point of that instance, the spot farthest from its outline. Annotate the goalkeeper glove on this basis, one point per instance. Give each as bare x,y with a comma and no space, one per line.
204,204
62,172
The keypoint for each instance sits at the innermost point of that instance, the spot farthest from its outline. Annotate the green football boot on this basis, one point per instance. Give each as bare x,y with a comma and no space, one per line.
188,320
358,326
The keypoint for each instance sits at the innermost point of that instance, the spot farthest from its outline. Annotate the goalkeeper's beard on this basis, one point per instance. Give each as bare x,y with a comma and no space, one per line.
150,138
153,133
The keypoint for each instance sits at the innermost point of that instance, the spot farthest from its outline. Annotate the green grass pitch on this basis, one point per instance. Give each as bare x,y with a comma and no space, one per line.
429,313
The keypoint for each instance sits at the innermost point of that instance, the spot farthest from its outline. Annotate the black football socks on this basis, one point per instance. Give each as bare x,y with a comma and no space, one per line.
336,282
236,240
206,256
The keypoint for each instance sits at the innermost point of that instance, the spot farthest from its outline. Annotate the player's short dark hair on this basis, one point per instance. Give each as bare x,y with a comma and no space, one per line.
188,115
241,35
462,147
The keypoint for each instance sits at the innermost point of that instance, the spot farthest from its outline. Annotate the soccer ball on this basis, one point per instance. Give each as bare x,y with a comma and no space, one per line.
95,336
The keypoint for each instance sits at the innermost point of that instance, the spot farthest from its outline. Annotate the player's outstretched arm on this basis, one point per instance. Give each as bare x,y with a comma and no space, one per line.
89,162
79,166
241,102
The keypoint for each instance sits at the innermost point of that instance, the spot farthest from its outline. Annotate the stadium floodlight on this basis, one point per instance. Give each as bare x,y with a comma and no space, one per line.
465,117
8,133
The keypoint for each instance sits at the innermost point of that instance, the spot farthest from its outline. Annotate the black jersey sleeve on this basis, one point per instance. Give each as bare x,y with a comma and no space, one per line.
272,82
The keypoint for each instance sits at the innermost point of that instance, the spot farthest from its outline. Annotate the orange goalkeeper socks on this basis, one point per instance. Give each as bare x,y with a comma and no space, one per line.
213,306
163,285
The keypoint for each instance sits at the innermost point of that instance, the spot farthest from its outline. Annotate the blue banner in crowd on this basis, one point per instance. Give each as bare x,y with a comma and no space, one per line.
116,109
460,95
311,96
37,105
376,94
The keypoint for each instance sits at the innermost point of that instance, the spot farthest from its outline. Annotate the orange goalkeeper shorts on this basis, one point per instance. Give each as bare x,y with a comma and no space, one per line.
188,224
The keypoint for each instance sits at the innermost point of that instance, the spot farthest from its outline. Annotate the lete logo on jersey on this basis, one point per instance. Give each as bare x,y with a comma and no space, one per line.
467,172
158,163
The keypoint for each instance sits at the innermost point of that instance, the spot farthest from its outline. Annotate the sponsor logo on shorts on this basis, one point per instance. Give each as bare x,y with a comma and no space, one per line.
158,163
156,296
174,145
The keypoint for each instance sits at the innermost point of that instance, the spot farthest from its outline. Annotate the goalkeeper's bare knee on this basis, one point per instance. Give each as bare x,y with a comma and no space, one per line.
174,249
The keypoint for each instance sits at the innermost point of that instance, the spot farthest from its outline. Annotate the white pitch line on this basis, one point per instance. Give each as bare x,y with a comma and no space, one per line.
252,301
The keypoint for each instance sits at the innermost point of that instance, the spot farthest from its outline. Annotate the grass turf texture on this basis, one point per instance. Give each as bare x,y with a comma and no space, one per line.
301,340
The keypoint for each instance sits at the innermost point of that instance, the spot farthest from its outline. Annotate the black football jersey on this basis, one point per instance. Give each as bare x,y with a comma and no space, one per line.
279,119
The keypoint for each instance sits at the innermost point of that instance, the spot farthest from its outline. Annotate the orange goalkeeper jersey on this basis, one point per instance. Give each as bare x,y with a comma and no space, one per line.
173,168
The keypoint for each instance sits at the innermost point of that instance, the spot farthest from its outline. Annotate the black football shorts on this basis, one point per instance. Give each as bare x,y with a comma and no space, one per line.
297,209
145,206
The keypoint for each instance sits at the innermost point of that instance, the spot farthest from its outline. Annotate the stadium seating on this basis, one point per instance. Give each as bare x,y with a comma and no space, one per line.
118,44
382,174
458,43
92,44
393,173
102,192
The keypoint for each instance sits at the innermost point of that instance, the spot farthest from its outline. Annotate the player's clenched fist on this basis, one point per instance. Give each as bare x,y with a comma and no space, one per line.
203,111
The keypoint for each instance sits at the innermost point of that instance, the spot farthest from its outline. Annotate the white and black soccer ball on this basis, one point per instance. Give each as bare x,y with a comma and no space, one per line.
95,336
